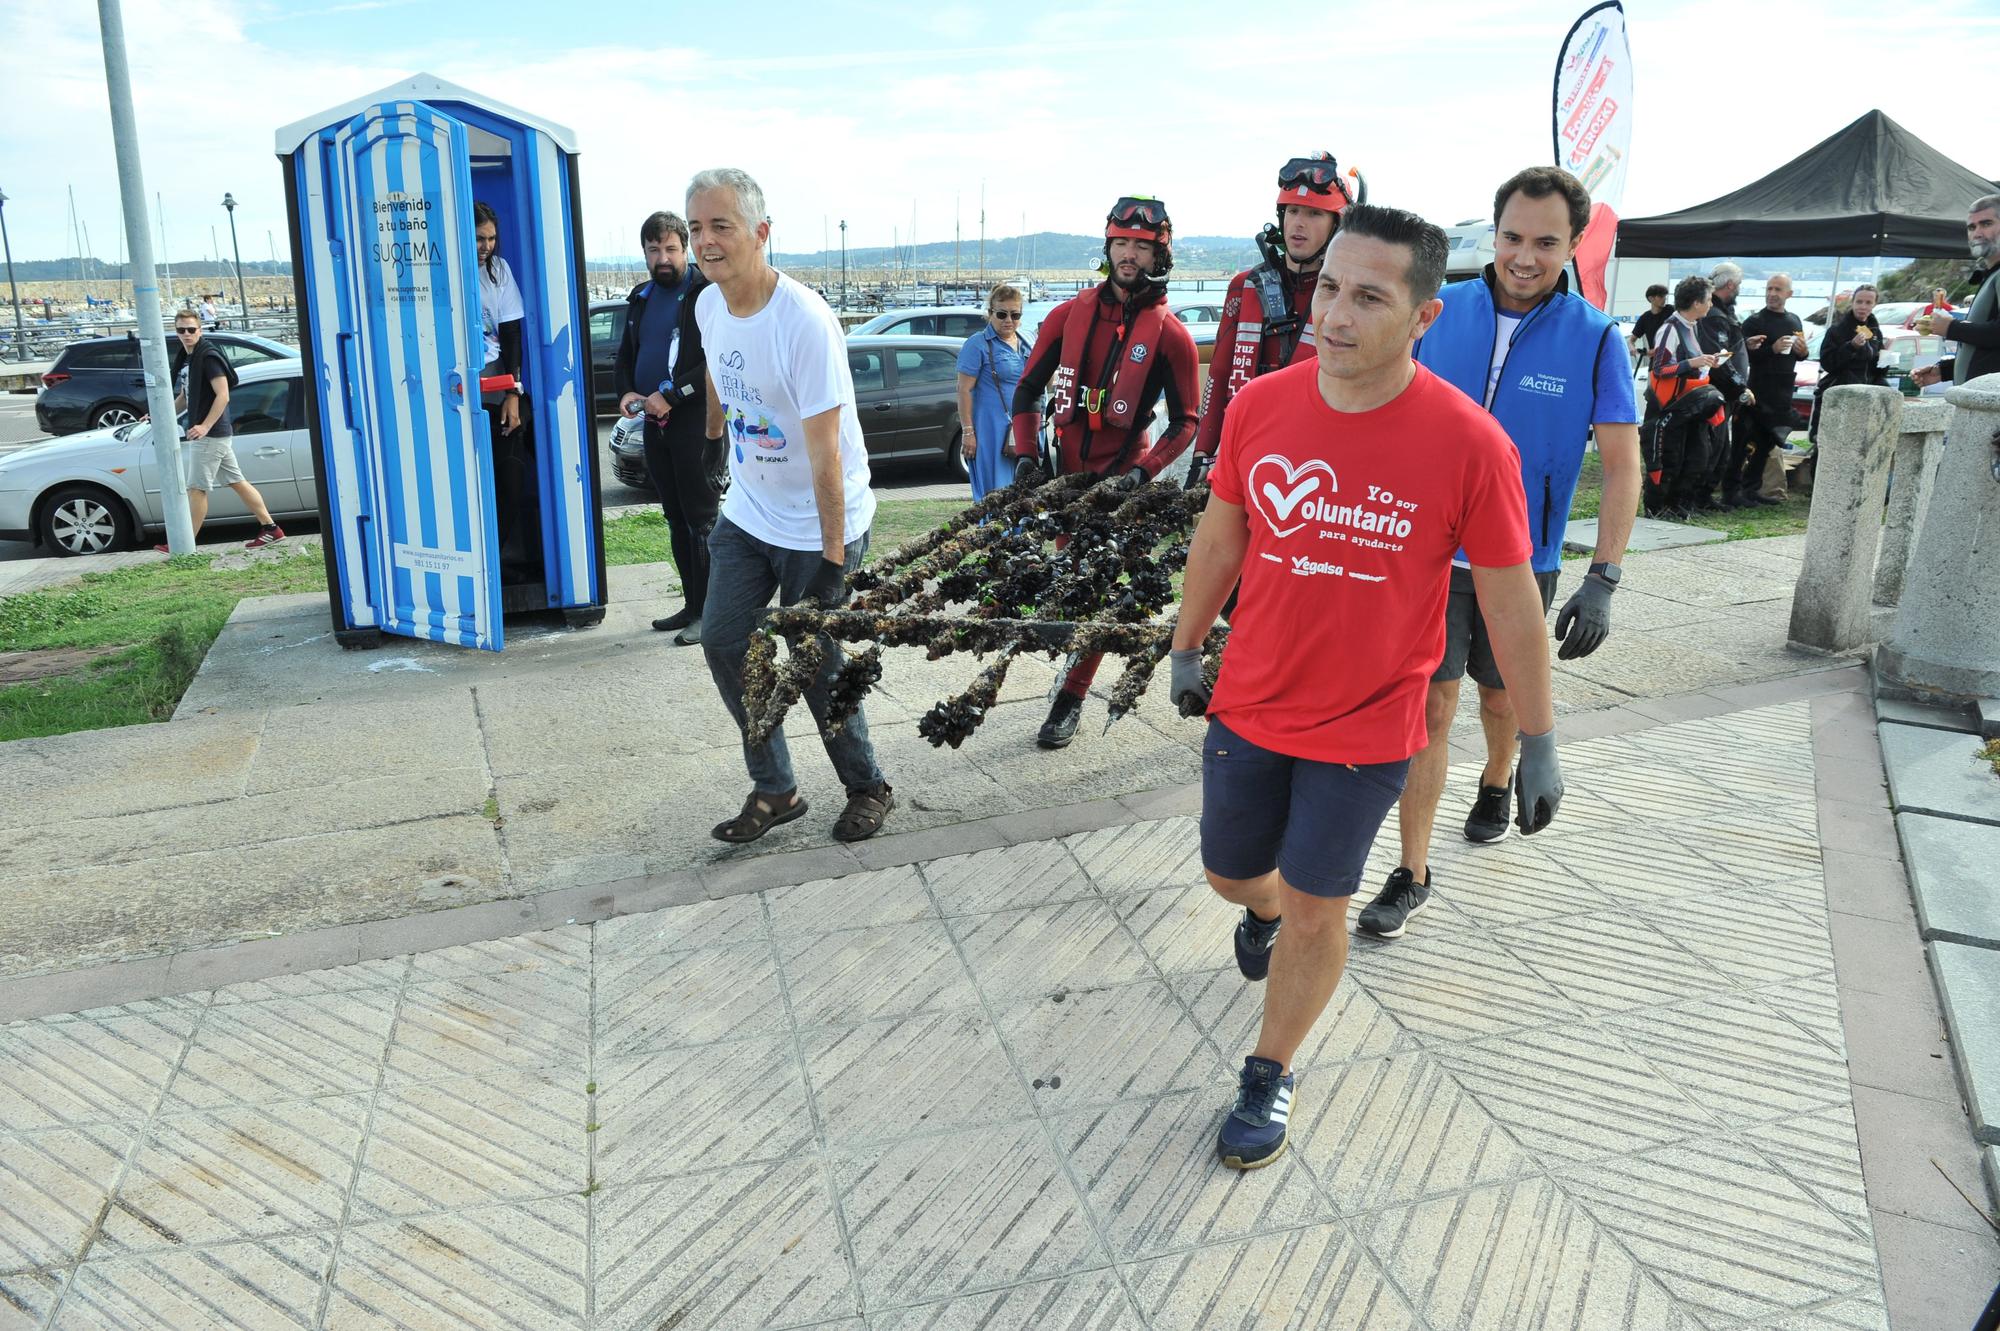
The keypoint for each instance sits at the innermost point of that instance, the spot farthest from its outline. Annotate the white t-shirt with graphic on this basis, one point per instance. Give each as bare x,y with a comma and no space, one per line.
1504,329
499,303
784,363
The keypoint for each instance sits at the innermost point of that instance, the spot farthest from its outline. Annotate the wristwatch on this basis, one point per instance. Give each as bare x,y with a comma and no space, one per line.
1611,573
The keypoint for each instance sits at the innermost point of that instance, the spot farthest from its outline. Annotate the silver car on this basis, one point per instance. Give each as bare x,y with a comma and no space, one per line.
100,490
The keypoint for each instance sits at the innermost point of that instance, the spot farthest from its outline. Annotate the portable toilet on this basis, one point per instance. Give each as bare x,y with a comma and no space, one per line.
417,491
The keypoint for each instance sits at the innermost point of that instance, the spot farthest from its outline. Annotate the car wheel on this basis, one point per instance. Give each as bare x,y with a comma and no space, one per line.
954,457
113,413
84,520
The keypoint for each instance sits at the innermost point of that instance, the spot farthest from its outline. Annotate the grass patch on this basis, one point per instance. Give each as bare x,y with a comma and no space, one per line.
165,614
1991,754
641,537
1736,524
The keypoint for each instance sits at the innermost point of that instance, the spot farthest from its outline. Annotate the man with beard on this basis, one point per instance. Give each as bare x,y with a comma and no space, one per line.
1107,356
1267,314
659,372
1552,370
1979,330
1776,341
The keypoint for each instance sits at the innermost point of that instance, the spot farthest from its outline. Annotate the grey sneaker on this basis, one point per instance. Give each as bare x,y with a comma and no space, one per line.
1488,819
690,635
1400,898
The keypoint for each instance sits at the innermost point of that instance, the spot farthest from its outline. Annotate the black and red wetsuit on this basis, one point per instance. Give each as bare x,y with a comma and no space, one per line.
1245,347
1111,447
1103,339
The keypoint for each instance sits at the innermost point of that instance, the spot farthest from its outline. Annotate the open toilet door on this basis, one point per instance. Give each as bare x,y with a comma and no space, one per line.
416,509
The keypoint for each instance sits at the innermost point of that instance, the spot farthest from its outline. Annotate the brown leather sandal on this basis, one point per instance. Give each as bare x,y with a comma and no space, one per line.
862,818
759,816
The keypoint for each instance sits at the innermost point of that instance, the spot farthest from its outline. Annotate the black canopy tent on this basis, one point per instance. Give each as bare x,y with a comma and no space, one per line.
1874,188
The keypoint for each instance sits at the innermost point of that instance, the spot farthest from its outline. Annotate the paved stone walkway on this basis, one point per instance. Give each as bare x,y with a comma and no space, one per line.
437,777
1599,1085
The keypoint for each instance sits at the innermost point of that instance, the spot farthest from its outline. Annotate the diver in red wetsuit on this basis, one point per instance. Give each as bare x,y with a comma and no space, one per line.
1107,357
1266,317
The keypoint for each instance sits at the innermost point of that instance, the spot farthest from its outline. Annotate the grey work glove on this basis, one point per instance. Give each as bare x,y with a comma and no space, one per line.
1585,620
1029,473
1198,470
1188,691
1131,480
1538,783
828,585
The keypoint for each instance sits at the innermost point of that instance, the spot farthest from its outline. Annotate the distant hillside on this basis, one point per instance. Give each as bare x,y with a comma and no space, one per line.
97,270
1005,254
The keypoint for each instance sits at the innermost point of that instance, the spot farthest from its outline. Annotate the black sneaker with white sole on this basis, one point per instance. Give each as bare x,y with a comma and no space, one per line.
1400,898
1488,819
1254,939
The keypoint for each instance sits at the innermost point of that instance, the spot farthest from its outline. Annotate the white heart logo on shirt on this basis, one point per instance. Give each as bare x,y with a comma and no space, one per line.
1276,486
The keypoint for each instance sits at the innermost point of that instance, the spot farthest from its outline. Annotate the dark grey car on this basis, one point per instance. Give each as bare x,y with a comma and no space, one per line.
906,393
98,382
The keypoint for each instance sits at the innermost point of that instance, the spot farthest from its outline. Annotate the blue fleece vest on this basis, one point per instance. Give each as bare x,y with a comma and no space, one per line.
1547,392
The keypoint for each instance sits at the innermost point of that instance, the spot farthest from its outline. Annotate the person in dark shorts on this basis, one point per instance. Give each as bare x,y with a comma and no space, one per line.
1551,370
1341,489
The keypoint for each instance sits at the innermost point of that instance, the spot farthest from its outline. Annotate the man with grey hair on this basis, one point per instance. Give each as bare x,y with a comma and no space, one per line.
1722,333
795,521
1979,330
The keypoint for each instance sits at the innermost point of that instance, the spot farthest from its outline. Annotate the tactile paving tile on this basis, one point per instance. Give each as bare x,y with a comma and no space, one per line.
1725,1231
1600,1083
253,1286
102,1070
501,1268
55,1185
1317,1276
244,1172
940,1216
731,1249
1518,1255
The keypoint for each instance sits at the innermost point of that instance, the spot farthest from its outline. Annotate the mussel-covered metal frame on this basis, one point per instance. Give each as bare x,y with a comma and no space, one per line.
1075,565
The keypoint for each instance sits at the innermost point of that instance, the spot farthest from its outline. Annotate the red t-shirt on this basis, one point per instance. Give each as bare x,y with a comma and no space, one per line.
1354,518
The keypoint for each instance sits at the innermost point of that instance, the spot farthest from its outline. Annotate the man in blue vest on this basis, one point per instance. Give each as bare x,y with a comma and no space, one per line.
1551,368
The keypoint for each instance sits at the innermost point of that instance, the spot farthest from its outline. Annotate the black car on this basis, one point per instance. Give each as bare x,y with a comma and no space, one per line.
607,330
906,392
99,382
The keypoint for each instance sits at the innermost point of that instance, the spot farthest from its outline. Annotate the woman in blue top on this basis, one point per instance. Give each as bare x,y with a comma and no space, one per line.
989,366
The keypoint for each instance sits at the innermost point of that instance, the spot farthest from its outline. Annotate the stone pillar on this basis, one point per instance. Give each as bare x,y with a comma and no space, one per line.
1918,450
1946,637
1858,426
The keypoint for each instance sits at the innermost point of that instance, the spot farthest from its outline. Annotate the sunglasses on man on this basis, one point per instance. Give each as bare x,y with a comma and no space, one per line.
1006,314
186,332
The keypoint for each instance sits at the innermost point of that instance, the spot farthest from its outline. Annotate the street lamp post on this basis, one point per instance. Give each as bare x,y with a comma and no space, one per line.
843,263
242,300
20,333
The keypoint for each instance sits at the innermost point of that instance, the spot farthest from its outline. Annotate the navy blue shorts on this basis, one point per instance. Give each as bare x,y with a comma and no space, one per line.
1312,821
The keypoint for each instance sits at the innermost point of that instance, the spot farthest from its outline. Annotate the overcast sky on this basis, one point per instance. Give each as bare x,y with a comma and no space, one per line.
887,112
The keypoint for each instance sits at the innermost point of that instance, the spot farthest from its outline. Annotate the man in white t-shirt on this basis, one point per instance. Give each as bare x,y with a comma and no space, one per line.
795,520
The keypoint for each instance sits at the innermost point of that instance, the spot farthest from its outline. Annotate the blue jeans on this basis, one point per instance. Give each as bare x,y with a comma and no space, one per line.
743,572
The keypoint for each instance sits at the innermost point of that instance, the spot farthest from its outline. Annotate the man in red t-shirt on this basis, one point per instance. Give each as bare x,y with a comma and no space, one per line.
1339,495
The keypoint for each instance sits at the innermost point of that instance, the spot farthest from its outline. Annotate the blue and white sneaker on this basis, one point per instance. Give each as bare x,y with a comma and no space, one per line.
1254,940
1254,1133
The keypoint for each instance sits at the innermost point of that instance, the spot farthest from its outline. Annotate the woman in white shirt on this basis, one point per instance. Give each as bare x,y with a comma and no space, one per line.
500,315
